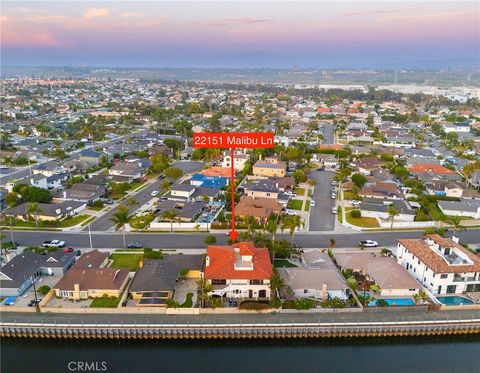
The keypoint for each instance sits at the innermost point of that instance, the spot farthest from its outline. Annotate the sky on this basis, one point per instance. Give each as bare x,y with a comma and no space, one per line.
320,34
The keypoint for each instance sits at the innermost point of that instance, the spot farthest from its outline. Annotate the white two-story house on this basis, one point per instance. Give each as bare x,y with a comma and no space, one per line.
238,271
239,160
440,264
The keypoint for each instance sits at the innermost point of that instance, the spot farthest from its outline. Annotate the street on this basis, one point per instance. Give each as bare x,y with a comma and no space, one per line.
104,222
321,217
195,240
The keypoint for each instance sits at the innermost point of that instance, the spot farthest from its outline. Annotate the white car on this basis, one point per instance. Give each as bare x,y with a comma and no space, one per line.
355,203
290,194
368,243
312,203
290,212
334,183
54,243
155,193
334,210
334,196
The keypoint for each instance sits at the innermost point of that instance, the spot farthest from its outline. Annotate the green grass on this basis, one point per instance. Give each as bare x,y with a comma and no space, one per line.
362,221
299,191
295,204
96,208
68,222
89,220
307,206
283,263
105,302
348,194
188,302
310,193
339,214
129,261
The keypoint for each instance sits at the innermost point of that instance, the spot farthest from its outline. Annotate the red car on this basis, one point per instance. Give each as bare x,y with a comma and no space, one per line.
68,250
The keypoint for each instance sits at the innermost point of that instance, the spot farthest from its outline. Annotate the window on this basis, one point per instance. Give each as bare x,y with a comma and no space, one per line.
219,282
444,275
256,282
305,291
451,289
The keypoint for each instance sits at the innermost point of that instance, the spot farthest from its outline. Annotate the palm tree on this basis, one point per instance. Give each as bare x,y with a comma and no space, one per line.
291,222
261,240
392,212
171,216
34,210
205,198
132,202
276,282
120,218
272,225
244,236
250,222
456,222
10,220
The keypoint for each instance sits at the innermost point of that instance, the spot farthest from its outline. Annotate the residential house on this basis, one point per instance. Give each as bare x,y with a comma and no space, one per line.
47,211
385,190
261,188
260,208
391,279
238,271
156,279
92,158
466,208
85,192
378,208
239,160
126,172
317,278
37,180
440,264
92,259
185,211
270,167
367,164
217,182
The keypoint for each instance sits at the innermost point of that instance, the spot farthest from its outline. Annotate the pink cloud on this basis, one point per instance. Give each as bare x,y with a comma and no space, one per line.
96,13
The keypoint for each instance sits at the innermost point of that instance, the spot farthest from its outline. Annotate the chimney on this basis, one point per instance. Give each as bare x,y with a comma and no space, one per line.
324,292
207,261
64,194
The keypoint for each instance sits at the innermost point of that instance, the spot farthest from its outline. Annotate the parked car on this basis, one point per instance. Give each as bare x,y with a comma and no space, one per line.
334,210
155,193
368,243
10,301
135,245
106,201
78,253
312,203
334,183
333,196
54,243
290,212
355,203
68,250
290,194
34,302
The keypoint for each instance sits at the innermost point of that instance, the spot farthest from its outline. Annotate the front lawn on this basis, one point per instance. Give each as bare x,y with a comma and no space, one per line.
96,208
295,204
299,191
129,261
283,263
362,221
72,220
105,302
68,222
307,206
310,192
348,194
339,214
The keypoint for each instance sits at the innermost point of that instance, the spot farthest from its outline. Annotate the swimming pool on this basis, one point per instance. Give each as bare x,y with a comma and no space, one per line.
394,302
454,300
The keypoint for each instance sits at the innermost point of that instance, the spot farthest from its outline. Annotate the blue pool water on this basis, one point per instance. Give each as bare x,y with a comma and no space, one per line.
394,302
454,300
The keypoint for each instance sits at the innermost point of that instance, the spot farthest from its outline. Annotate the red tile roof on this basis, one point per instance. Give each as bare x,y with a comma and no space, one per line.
428,167
222,262
217,171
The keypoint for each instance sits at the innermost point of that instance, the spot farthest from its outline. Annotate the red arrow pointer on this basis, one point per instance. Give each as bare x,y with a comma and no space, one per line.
233,233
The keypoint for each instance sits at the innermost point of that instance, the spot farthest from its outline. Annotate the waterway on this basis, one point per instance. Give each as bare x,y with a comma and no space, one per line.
400,354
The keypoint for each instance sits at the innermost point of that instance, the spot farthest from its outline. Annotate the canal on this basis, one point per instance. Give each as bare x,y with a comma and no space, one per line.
400,354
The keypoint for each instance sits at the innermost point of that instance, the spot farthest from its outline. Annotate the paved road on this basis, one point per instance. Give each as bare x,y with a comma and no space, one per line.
321,217
328,137
104,223
378,315
195,240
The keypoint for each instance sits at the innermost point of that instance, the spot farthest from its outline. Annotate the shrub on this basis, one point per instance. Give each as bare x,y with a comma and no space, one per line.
300,304
276,302
352,282
149,253
210,240
334,303
44,289
254,305
356,214
183,272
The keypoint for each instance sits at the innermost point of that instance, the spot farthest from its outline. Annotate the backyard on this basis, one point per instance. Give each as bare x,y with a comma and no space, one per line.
129,261
105,302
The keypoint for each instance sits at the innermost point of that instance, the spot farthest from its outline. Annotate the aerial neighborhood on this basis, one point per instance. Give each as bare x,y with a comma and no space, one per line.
362,202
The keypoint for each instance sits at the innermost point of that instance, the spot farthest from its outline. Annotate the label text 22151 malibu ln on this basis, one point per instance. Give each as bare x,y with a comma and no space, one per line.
233,140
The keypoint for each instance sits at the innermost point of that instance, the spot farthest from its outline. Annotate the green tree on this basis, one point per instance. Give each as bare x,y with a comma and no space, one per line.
120,218
171,216
359,180
272,225
456,222
173,172
160,162
276,282
291,222
11,199
392,212
210,240
166,186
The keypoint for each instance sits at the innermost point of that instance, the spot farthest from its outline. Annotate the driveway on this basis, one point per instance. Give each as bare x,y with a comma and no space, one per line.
321,217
